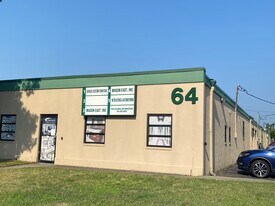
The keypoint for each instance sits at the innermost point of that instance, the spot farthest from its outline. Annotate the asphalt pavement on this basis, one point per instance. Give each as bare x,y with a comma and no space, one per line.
234,172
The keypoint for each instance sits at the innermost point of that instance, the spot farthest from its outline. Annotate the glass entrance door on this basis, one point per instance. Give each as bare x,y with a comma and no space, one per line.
48,138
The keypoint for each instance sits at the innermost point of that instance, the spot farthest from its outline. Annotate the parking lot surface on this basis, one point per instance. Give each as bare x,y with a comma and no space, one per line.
233,171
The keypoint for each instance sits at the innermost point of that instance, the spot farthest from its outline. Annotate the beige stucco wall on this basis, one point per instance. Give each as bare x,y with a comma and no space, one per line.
258,135
28,106
254,136
265,139
125,138
228,152
207,130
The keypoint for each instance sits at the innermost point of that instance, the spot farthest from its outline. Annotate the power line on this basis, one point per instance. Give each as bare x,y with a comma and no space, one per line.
240,88
252,110
265,116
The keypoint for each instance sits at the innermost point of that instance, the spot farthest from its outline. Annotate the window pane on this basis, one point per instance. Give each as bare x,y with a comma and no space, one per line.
159,130
95,129
159,141
48,129
95,138
7,136
160,120
95,120
8,128
8,119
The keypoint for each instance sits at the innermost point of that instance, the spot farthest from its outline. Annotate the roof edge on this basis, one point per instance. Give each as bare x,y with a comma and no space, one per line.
111,74
187,75
219,91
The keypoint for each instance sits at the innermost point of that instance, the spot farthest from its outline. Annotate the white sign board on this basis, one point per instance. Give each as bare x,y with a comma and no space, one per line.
109,101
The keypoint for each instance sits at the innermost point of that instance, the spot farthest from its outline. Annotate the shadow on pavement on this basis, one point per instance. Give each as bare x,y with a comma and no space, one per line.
233,171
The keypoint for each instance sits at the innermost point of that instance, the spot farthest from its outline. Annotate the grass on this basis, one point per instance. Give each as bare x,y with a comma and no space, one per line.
59,186
9,163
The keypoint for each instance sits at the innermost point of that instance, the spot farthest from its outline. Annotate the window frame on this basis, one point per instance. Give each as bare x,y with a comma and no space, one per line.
243,131
229,135
167,136
252,133
225,134
94,124
11,132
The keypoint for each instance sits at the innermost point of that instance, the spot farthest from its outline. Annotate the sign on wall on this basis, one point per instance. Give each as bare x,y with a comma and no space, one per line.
178,97
109,101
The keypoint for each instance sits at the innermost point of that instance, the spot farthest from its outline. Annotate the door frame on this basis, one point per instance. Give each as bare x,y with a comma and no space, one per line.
40,137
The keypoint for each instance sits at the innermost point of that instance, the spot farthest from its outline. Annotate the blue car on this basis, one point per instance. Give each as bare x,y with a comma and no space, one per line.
260,163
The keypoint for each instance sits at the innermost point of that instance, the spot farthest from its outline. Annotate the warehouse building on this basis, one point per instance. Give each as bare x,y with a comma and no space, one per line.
170,121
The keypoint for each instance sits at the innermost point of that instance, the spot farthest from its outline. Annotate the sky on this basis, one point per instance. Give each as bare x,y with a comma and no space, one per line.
234,40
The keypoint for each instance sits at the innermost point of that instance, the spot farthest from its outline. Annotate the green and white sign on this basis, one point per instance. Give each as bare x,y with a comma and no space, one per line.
109,101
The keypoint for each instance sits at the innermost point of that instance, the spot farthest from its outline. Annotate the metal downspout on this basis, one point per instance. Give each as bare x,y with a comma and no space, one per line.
211,136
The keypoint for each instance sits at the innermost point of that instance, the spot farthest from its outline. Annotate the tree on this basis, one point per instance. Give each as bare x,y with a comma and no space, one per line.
11,102
272,134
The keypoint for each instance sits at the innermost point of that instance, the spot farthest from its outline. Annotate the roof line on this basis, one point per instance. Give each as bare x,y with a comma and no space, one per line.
219,91
111,74
137,78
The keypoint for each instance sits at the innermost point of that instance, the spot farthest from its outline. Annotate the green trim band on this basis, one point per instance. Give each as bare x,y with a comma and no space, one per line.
83,100
119,79
227,98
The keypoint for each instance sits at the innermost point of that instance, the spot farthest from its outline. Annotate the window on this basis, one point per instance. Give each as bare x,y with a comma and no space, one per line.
225,134
243,131
8,123
252,132
94,130
159,132
229,135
